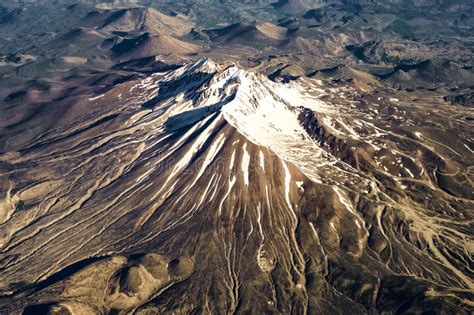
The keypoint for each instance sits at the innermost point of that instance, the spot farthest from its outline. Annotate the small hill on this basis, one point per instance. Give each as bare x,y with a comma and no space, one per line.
259,34
294,6
305,45
271,30
360,79
429,71
78,35
147,64
392,51
142,19
76,39
373,52
319,15
147,45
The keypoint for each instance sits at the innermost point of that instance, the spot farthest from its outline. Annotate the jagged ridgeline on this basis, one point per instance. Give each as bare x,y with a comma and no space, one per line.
212,189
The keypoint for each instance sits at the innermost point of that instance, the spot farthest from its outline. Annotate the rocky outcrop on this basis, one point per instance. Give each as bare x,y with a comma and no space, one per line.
466,100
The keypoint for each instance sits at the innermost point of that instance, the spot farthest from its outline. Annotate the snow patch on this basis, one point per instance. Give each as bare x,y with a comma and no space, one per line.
287,184
245,165
262,160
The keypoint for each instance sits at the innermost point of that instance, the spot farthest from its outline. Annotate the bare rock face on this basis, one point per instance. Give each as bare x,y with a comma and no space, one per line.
373,52
466,100
212,189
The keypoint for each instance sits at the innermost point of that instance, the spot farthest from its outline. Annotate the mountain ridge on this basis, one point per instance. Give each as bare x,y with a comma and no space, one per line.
258,179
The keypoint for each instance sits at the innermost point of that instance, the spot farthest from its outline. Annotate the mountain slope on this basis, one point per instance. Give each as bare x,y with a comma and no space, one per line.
437,71
170,192
147,45
261,34
143,19
295,6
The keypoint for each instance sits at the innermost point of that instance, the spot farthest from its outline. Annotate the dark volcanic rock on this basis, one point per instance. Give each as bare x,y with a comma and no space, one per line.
370,52
466,100
8,15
